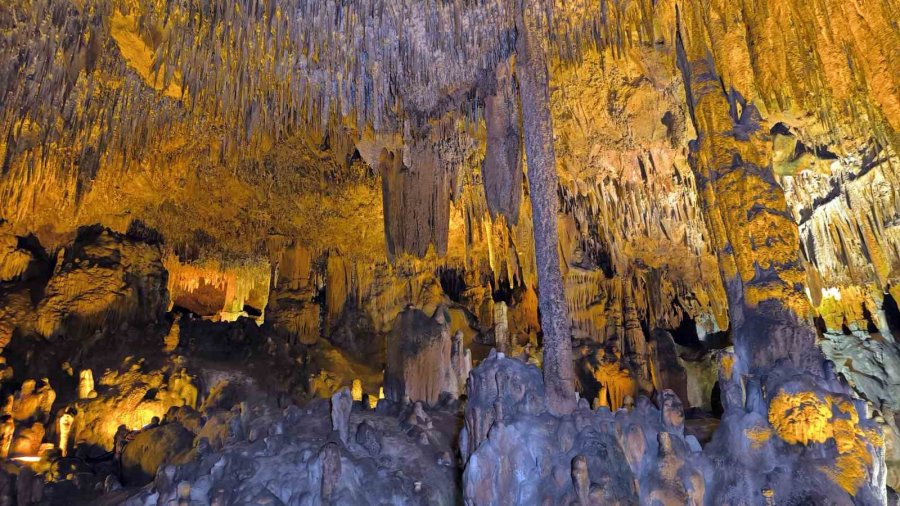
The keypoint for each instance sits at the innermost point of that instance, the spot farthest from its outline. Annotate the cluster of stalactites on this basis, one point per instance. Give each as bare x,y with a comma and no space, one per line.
69,103
103,82
79,78
270,66
267,67
237,285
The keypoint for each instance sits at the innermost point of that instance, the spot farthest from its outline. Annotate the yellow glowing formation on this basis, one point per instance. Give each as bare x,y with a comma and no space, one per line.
801,418
356,391
805,417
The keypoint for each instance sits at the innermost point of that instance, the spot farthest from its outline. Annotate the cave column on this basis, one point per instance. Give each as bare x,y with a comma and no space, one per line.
534,93
755,238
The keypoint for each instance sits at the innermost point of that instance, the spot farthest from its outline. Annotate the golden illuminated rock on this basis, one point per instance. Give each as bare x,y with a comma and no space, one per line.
104,279
13,260
27,441
133,396
806,417
7,430
616,382
64,429
356,391
424,362
86,384
801,418
855,447
214,290
173,337
34,401
758,436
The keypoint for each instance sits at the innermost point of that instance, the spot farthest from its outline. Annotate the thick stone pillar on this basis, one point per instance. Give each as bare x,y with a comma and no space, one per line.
756,241
534,93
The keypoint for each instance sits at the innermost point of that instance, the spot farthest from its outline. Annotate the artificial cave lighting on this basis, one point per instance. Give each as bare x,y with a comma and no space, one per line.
27,459
449,252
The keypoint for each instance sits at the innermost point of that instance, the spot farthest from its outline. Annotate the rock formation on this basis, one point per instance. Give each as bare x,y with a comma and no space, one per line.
101,281
593,456
341,403
423,361
86,385
502,167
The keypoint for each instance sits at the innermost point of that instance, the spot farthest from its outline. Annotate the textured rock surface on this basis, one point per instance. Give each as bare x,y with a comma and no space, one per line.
151,449
14,261
502,167
292,460
131,397
103,280
518,451
622,123
424,362
514,448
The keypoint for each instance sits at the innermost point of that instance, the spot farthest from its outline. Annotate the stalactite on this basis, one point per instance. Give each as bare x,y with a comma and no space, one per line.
338,286
211,289
416,200
502,167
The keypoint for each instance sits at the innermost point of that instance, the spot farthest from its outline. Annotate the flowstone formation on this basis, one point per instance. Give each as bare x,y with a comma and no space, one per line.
443,252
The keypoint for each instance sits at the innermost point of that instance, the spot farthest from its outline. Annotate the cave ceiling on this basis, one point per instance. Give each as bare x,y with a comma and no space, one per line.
363,130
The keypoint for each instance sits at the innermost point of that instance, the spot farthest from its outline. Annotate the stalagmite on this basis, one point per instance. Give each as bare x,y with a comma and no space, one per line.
461,362
64,428
581,480
341,404
356,390
531,72
86,384
330,462
636,344
602,400
672,412
501,327
423,360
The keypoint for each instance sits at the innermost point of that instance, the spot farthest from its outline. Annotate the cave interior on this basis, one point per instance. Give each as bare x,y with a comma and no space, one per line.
480,252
